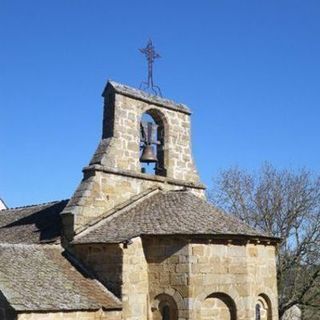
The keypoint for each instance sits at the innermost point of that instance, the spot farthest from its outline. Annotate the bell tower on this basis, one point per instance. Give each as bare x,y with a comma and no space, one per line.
146,144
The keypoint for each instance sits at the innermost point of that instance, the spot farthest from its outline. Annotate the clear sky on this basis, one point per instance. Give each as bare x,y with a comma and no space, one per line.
249,70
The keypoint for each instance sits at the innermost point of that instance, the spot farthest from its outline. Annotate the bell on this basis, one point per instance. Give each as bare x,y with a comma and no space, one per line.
148,155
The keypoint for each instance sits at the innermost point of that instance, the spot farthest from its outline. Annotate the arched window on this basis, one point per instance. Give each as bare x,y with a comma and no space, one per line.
152,143
258,311
165,312
165,309
263,308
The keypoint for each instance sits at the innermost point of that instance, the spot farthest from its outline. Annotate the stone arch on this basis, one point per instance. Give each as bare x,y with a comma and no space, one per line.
177,297
160,120
158,116
218,305
164,307
263,307
173,293
231,291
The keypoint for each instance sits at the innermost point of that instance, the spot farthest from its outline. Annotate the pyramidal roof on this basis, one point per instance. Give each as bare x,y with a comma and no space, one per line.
166,213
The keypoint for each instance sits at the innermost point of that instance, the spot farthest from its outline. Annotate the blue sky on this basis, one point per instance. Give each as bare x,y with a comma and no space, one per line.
249,70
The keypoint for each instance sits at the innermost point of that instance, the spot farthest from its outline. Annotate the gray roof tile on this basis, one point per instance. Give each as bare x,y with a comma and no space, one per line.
40,277
166,213
32,224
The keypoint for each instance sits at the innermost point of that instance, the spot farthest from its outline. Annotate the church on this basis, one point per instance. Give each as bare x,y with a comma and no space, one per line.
137,240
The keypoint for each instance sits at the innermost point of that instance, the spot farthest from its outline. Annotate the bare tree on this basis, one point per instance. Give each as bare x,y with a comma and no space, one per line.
284,203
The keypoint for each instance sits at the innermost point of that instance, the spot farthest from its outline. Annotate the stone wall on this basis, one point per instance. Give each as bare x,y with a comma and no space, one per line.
210,280
262,272
123,150
168,271
234,278
203,279
135,288
106,262
72,315
123,270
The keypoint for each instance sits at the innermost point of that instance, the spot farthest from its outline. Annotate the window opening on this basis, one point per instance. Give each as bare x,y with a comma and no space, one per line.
166,308
258,311
166,313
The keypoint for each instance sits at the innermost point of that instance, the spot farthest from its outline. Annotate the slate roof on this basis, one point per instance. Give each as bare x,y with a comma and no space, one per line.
36,274
39,277
166,213
32,224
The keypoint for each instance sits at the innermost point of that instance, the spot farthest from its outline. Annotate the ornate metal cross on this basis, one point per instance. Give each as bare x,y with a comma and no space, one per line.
151,55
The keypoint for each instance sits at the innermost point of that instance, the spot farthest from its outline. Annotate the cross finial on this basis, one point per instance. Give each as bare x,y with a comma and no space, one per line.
151,55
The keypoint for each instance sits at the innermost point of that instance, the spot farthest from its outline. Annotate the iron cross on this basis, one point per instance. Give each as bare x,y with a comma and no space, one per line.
151,55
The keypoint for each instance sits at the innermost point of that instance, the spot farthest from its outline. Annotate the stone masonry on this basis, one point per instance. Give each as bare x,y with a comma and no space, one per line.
78,315
206,279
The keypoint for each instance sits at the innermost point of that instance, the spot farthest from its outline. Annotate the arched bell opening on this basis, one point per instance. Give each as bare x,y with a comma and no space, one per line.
152,143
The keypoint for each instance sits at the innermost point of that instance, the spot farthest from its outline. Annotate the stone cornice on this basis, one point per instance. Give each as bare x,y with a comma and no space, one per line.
145,97
144,176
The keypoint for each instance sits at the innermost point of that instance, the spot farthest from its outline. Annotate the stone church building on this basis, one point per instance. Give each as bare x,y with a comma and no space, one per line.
136,241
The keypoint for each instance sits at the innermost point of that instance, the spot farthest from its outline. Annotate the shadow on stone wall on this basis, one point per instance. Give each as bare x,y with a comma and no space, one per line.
6,311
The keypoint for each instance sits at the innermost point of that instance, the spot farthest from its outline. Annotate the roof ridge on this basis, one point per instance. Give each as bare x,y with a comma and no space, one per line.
34,205
128,204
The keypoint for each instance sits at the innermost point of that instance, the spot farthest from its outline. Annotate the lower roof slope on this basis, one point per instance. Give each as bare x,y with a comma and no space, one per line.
40,278
166,213
32,224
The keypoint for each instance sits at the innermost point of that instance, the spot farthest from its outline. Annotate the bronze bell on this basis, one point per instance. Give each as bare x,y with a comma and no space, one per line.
148,155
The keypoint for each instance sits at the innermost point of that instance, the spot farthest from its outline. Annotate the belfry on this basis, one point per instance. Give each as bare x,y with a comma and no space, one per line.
115,171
